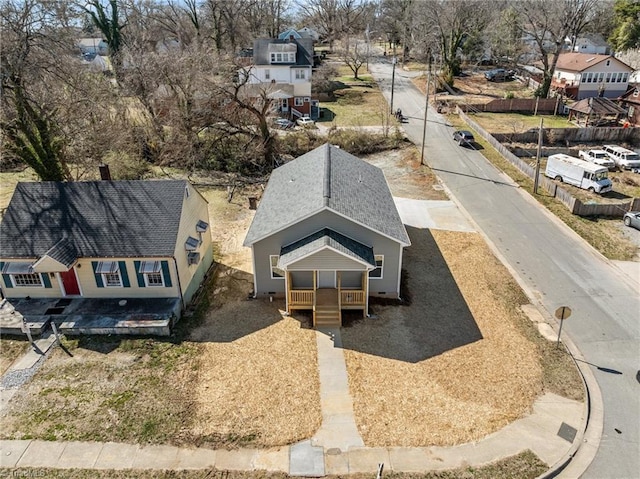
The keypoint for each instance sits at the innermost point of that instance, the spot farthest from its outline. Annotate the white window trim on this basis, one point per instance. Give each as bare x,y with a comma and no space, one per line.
271,267
104,280
146,280
375,257
15,285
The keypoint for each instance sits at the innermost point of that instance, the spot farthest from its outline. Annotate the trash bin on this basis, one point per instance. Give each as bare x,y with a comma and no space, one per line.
253,202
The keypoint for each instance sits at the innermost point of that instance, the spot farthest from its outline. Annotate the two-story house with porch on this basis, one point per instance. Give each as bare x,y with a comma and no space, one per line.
584,75
284,68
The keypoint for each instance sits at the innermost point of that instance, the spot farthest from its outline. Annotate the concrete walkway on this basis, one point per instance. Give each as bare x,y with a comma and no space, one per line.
552,415
338,429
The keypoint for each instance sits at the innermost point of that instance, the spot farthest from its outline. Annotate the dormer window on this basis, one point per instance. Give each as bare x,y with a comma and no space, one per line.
283,57
191,244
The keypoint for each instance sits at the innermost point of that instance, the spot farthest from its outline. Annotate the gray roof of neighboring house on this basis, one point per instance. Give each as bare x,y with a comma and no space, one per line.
327,178
326,237
92,219
304,53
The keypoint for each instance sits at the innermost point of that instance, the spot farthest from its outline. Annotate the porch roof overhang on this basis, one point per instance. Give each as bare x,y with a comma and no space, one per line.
327,239
60,257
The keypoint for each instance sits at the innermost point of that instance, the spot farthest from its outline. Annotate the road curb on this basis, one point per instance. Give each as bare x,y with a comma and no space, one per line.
576,460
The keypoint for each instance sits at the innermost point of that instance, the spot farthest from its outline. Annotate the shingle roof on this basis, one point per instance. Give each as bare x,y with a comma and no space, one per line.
597,105
326,237
578,62
98,218
327,178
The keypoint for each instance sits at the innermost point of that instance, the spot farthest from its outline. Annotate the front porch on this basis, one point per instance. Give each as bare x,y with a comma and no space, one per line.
326,302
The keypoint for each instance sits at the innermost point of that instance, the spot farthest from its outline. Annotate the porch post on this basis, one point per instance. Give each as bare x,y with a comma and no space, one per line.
365,287
287,289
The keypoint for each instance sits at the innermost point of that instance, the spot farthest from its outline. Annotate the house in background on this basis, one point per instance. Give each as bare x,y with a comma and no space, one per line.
284,68
591,43
582,75
99,240
301,33
90,47
630,101
327,235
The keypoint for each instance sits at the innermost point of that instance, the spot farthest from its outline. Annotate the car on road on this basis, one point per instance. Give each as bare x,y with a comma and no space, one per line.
305,121
283,123
463,137
632,219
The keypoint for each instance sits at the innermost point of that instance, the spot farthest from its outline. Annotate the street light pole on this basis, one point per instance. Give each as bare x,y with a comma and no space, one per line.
538,152
426,110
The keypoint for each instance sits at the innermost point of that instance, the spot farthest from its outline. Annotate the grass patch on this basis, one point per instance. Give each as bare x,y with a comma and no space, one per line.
518,122
601,233
8,182
110,390
525,465
10,350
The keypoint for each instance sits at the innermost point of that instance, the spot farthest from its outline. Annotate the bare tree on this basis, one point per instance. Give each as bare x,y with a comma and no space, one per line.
355,58
109,21
548,23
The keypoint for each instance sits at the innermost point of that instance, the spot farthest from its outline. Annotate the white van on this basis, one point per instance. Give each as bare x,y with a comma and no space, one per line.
578,173
624,158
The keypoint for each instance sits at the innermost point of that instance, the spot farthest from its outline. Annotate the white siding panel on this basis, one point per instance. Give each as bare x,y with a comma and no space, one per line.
326,260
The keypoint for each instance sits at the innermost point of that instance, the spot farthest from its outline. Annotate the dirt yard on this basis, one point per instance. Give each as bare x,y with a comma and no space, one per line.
10,350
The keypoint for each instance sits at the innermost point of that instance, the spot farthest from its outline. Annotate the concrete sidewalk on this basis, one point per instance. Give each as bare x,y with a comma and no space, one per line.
538,432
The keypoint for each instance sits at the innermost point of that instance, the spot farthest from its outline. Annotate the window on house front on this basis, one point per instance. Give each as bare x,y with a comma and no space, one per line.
377,273
153,279
600,77
300,74
276,273
619,79
298,102
112,280
27,279
267,74
609,77
625,77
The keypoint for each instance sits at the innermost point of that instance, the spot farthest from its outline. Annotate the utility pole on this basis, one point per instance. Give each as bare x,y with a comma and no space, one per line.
393,79
535,179
426,110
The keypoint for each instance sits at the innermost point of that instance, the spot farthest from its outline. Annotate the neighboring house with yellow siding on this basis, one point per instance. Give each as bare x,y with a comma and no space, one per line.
105,239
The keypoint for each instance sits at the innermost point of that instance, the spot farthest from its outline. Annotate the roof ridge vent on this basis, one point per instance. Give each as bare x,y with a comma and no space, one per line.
326,190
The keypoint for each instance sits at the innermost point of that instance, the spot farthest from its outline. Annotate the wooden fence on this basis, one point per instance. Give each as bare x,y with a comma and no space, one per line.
577,207
524,105
566,136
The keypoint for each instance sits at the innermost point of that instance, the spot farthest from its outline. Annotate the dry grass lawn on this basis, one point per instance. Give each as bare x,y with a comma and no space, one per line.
10,350
260,383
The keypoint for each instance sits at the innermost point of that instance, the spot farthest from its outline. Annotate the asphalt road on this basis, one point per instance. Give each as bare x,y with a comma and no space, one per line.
554,265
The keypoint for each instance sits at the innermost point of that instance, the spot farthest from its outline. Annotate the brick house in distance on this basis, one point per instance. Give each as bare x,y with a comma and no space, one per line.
283,69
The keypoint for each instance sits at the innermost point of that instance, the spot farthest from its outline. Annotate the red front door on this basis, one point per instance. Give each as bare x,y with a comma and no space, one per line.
70,283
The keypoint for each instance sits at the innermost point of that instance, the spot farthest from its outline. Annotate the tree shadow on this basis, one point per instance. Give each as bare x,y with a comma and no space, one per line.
437,320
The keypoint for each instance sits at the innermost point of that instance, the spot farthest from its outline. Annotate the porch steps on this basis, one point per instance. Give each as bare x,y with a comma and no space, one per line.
327,312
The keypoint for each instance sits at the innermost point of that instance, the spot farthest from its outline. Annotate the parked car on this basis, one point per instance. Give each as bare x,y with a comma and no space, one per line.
283,123
463,137
599,157
305,121
632,219
499,74
625,159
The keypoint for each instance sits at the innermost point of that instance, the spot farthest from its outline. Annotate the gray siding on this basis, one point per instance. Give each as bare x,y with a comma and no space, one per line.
351,279
302,280
381,246
329,260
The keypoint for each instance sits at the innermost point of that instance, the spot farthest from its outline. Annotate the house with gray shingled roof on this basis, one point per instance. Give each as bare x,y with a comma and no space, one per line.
327,235
282,69
105,239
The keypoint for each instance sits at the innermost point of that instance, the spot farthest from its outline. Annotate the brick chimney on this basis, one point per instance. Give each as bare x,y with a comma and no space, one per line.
105,174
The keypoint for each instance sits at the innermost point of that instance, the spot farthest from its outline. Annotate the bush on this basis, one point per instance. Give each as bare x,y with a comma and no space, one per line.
357,142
